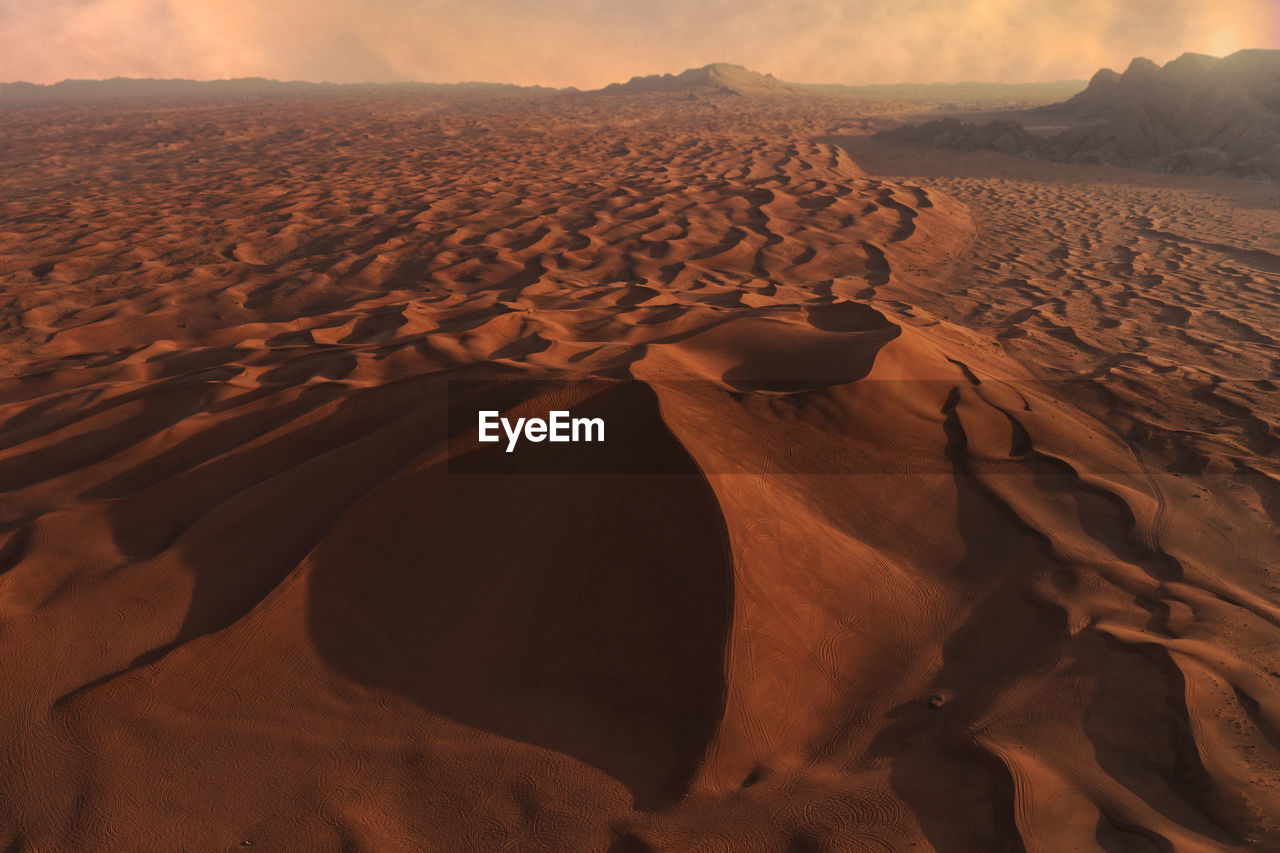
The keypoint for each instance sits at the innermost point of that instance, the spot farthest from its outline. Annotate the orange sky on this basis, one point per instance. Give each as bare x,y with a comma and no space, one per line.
593,42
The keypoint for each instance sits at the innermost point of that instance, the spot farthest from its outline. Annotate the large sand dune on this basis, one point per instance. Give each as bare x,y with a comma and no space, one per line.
860,569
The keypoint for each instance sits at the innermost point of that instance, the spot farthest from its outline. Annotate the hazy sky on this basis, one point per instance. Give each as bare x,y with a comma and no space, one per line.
593,42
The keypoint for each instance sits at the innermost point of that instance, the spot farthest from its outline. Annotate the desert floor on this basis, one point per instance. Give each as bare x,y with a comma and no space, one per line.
940,510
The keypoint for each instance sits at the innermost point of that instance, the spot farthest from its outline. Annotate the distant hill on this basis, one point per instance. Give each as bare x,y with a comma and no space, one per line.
1244,82
716,78
1007,136
1196,114
129,87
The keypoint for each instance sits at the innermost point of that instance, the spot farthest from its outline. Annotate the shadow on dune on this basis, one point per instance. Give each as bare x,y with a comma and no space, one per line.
531,596
1143,735
574,597
1137,720
962,794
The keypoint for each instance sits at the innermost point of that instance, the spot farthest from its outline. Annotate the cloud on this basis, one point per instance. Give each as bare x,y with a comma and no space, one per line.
593,42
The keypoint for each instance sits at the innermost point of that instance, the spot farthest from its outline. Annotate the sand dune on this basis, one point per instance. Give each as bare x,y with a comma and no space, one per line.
860,570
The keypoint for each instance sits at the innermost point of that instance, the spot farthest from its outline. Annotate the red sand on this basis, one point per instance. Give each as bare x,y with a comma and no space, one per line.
896,584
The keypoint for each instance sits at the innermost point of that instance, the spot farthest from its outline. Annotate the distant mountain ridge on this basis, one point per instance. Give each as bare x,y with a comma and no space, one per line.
1247,79
716,78
1196,114
135,87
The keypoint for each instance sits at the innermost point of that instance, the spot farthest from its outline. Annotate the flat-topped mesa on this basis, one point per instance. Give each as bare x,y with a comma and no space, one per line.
716,78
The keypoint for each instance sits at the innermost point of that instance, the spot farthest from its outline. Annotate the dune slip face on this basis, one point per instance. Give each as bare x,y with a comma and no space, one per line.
853,569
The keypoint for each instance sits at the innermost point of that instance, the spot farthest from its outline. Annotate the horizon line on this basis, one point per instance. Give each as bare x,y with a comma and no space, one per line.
571,88
370,83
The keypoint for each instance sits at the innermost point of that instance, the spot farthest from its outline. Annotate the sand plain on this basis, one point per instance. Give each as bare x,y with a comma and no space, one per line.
953,526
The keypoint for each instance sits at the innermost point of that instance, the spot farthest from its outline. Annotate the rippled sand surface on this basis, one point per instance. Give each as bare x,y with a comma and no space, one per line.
940,509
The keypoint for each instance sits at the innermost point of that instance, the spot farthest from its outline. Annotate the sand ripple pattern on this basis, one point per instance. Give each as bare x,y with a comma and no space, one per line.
242,598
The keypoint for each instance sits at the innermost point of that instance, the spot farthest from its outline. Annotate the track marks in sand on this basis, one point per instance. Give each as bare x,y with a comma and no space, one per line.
1158,296
1143,303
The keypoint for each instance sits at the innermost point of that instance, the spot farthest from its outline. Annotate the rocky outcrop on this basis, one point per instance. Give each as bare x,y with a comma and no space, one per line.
1196,114
716,78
